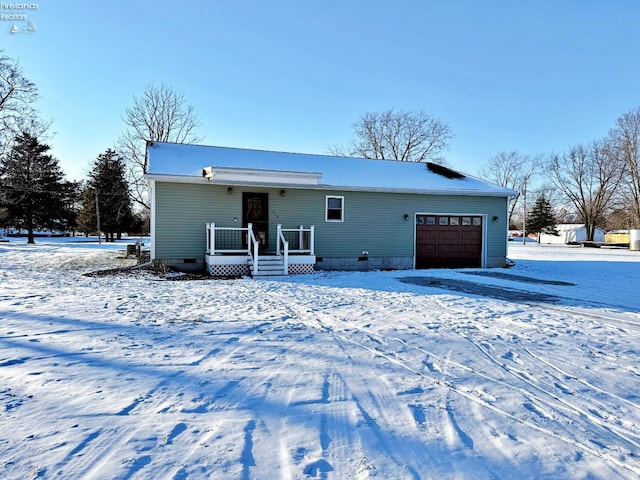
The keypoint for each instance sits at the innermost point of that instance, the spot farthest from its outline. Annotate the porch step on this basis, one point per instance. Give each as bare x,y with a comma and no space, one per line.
268,265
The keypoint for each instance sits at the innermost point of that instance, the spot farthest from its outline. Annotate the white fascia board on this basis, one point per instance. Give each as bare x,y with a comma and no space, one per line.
259,176
159,177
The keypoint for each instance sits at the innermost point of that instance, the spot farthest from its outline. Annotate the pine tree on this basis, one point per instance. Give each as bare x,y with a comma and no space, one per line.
541,218
87,221
34,192
107,184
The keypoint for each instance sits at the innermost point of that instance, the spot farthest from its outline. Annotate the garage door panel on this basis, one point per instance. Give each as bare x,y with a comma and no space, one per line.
448,236
445,249
429,249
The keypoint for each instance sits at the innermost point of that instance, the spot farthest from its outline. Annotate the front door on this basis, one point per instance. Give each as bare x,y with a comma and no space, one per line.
255,210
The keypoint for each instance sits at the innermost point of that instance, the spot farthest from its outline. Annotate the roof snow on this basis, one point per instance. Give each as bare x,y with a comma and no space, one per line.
171,161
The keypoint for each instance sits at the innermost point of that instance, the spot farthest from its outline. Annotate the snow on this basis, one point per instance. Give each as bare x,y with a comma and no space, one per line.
334,375
171,159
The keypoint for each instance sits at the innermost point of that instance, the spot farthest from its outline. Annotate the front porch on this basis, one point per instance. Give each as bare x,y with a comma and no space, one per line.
234,251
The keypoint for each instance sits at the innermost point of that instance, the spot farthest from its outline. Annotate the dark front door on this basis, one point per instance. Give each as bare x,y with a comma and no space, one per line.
255,210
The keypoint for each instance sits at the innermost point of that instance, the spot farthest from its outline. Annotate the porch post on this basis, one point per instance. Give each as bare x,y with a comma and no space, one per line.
312,246
278,236
286,258
211,238
300,239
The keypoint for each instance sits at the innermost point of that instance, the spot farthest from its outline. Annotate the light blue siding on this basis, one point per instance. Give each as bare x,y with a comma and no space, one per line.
373,222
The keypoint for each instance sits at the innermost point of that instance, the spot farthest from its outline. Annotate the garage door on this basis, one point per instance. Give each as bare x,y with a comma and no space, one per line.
448,241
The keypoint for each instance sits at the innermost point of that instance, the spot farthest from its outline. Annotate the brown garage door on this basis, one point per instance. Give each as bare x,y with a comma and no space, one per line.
448,241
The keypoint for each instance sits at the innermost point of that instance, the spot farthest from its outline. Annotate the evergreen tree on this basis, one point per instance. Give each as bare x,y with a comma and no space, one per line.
34,193
107,184
69,214
541,218
86,220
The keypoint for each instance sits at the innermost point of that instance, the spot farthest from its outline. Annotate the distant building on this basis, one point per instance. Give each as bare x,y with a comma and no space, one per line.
571,233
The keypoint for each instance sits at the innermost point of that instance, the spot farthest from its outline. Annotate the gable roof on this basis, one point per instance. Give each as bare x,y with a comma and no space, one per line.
199,163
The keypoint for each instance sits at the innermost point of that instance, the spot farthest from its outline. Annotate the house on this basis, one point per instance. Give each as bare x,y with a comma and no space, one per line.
237,211
571,233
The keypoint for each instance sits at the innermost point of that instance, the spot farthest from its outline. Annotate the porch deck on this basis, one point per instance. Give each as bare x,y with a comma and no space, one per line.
235,251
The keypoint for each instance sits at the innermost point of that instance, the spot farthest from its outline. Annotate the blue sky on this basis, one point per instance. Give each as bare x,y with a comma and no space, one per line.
289,75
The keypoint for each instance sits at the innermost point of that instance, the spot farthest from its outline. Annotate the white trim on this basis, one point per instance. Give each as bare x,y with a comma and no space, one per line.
219,175
483,259
158,177
326,209
152,218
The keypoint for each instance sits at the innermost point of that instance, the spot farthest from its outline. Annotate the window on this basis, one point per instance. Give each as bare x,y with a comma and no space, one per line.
431,220
335,209
453,221
443,220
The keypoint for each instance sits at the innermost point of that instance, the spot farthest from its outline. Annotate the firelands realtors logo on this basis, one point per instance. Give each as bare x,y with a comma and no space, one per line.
19,16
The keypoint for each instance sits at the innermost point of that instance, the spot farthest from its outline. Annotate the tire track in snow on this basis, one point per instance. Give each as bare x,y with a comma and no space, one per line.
558,382
341,399
323,321
609,421
602,412
395,447
622,434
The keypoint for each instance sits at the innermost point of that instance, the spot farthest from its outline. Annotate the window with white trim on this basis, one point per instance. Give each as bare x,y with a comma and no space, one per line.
334,211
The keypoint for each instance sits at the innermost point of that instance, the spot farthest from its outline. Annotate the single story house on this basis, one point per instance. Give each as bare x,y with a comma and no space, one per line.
237,211
571,233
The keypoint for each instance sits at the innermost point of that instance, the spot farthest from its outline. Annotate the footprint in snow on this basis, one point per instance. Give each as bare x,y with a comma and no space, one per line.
513,356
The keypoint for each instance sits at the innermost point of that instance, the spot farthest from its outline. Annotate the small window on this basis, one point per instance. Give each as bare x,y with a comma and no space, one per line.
335,209
419,220
453,221
466,221
431,220
443,220
477,221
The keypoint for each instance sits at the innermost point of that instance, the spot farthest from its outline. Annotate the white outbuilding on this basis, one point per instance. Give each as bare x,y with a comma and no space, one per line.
571,233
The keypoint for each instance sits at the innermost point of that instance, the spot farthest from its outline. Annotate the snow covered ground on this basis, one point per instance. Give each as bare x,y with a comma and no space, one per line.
532,372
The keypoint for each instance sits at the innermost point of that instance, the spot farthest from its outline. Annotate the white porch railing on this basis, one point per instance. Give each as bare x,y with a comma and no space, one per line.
283,250
253,248
230,240
301,240
227,239
238,241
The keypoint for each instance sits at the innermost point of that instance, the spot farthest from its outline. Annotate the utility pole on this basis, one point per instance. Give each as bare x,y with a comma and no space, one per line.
98,217
524,214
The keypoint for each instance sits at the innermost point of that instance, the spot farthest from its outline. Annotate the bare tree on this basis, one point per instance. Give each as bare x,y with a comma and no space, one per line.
588,175
625,138
161,114
511,170
407,136
17,95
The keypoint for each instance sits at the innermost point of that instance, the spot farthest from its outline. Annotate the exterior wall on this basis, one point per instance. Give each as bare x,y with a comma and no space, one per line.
617,237
373,222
